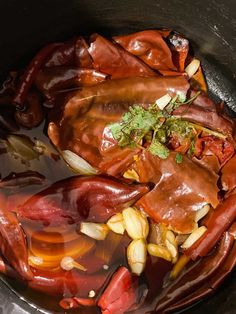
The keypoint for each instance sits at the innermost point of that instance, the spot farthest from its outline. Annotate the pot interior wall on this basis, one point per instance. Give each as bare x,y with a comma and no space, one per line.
210,25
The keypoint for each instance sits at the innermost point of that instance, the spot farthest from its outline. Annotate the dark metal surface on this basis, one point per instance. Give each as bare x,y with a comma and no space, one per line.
26,25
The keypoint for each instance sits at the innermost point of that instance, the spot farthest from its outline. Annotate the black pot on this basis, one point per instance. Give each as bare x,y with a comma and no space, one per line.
27,25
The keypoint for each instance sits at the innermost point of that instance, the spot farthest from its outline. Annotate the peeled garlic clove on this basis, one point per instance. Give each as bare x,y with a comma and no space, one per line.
171,245
192,68
77,163
137,255
116,224
159,251
202,212
94,230
131,174
136,224
163,101
193,237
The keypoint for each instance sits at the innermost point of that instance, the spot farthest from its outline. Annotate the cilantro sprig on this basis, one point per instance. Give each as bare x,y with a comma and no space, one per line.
151,128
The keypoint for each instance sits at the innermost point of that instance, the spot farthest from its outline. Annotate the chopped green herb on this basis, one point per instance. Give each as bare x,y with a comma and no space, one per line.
179,158
180,100
191,149
152,128
158,149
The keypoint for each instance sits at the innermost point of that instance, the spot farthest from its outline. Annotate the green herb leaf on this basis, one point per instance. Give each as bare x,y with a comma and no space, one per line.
139,127
179,158
181,98
191,148
158,149
116,130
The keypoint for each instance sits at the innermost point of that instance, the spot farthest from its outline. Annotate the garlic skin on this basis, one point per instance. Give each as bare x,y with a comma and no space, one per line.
116,224
136,224
137,256
93,230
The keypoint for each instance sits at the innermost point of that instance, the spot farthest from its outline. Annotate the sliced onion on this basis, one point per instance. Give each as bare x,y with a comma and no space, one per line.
77,163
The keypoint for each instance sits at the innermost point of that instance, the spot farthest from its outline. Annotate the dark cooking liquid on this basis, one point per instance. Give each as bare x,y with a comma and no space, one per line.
53,244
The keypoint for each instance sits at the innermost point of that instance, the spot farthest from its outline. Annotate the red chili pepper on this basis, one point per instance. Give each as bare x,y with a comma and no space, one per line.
82,56
93,198
193,277
221,219
120,294
74,303
228,180
62,283
62,55
31,72
110,58
150,47
222,149
20,179
67,282
12,241
55,79
32,116
179,48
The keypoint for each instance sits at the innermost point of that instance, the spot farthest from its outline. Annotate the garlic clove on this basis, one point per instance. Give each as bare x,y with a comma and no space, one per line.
116,224
159,251
137,255
77,163
93,230
136,224
202,212
163,101
171,245
192,68
193,237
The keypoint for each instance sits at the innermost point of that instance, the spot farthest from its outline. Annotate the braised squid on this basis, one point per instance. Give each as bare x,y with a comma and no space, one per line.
118,176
